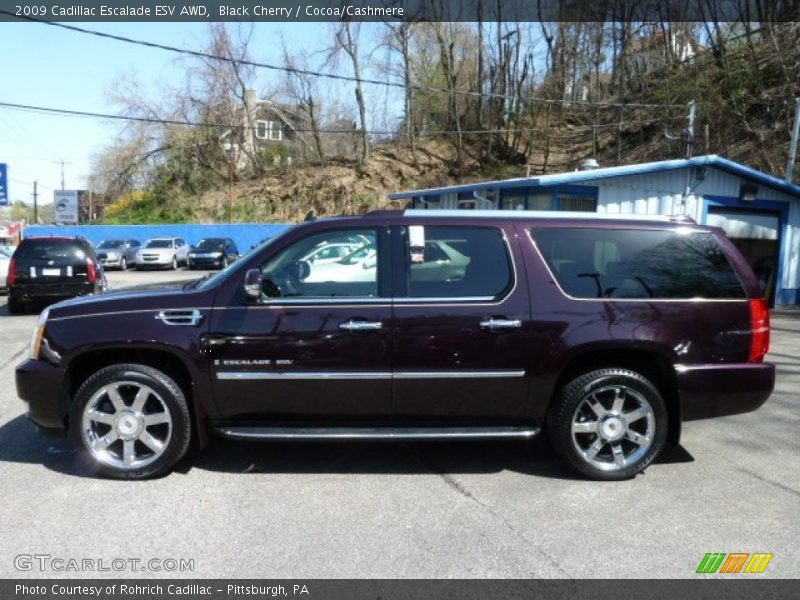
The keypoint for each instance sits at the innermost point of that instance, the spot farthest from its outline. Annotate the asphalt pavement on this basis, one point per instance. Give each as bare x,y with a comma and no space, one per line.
471,510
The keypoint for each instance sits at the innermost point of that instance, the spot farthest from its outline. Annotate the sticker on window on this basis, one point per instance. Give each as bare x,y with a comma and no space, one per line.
416,243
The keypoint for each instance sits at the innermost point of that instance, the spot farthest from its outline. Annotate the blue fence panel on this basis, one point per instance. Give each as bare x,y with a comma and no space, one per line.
245,235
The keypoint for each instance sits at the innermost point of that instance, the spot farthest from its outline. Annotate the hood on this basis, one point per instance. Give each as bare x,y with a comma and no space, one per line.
132,301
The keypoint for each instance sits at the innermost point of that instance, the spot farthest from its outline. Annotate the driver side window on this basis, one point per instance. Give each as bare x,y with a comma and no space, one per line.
297,272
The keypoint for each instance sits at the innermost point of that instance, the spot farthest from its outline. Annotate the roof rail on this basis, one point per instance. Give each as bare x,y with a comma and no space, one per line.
543,214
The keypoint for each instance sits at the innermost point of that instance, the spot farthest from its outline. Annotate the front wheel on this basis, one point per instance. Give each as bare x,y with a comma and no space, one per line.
131,420
608,424
123,264
174,264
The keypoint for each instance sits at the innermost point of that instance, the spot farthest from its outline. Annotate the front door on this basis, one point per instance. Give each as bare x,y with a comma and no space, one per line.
317,344
461,326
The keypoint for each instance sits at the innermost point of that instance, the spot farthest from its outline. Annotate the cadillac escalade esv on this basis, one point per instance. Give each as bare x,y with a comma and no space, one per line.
607,332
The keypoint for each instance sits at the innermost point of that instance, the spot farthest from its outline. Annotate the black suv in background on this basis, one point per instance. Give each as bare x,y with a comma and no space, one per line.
213,252
51,269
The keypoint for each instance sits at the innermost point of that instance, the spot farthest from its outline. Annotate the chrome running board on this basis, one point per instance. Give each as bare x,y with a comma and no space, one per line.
386,434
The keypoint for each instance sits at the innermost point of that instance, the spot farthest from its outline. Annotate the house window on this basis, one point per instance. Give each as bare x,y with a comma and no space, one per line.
269,130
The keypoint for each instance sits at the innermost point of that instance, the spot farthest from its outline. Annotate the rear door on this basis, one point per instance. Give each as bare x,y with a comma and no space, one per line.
460,324
317,345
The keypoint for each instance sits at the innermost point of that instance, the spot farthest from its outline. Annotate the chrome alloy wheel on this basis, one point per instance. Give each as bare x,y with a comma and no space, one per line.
613,427
126,425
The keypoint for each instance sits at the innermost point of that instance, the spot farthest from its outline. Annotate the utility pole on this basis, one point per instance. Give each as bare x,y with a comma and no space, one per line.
689,133
35,203
62,163
793,146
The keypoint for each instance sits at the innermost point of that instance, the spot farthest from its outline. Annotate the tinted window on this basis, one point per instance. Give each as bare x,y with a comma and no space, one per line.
607,263
460,262
290,274
211,244
49,249
135,244
111,244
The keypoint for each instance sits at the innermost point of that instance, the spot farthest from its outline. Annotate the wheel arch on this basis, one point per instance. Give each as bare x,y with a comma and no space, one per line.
651,361
82,365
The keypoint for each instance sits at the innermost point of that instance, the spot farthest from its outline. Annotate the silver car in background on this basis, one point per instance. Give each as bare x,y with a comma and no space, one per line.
118,254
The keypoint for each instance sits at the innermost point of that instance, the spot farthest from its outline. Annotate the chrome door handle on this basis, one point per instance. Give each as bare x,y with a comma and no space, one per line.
361,325
501,324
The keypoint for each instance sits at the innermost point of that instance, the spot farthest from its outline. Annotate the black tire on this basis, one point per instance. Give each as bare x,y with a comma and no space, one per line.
605,381
224,262
15,307
169,393
174,264
123,264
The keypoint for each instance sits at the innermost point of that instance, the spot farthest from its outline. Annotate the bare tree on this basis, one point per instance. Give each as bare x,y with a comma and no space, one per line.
347,37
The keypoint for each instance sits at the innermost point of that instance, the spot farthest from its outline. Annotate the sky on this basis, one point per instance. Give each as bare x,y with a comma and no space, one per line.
49,66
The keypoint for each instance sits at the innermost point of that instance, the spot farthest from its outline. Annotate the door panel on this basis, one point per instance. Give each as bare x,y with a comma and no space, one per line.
297,361
317,345
457,359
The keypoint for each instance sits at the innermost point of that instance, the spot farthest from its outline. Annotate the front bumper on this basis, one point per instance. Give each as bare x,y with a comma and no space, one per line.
205,261
110,262
42,387
719,390
160,261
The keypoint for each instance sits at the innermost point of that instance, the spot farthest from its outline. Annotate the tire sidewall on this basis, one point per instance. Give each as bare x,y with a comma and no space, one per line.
170,393
559,420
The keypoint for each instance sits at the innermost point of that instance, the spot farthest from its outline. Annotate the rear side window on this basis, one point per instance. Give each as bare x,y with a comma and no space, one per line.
458,262
628,263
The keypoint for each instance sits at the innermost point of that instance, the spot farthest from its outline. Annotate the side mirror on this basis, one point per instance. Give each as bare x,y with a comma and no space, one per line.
252,284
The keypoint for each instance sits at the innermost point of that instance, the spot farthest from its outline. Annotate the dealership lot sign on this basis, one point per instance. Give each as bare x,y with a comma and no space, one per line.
66,206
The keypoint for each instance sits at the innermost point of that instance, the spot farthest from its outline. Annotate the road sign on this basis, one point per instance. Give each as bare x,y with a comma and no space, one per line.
3,184
66,206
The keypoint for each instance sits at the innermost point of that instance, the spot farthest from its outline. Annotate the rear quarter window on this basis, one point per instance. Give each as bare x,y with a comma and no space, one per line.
631,263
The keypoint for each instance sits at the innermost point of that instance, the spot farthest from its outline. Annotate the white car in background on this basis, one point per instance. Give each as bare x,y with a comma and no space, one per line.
5,259
163,252
328,253
360,265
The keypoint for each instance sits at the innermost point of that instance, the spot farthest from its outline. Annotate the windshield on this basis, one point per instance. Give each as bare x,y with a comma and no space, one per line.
158,244
211,244
111,244
222,275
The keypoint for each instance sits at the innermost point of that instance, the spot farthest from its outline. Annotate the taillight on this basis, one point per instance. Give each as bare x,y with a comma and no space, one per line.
759,330
91,272
11,278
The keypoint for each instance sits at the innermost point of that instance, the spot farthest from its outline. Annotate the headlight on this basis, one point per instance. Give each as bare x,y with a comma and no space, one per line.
192,255
38,333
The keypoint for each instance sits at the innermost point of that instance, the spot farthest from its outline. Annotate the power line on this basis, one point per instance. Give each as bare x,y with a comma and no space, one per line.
164,121
336,76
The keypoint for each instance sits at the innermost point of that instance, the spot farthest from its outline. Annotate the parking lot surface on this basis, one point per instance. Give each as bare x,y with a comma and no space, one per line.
409,510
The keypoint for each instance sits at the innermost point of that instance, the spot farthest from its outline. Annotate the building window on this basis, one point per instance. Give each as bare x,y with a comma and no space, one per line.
269,130
573,202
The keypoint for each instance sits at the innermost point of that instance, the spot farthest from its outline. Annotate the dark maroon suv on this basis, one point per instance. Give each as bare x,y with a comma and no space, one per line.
606,331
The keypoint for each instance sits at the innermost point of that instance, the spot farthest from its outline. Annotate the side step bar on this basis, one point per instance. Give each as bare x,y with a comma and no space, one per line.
385,434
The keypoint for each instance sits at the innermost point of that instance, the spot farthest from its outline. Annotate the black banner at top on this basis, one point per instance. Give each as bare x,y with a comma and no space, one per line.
288,11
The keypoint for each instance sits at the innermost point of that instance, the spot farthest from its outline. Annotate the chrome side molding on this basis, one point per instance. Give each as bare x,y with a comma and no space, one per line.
386,434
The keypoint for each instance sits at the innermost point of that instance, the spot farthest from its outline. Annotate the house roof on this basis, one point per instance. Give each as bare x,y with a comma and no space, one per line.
573,177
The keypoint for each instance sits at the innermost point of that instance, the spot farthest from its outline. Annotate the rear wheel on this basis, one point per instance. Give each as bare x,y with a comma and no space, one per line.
608,424
15,307
131,420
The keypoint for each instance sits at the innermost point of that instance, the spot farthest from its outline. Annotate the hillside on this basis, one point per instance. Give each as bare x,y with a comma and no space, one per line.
745,104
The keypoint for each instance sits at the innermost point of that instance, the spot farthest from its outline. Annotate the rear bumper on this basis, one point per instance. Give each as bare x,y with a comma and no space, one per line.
25,292
41,386
719,390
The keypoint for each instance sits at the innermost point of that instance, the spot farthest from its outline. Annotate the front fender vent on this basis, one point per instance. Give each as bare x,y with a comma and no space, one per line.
180,317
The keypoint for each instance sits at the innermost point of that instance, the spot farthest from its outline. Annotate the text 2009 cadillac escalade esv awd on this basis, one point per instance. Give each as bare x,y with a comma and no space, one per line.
607,332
